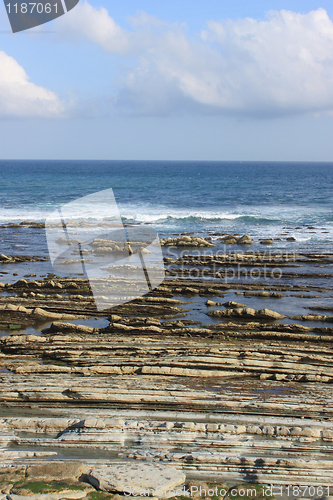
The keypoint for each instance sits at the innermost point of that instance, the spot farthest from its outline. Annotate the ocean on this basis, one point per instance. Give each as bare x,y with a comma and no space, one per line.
262,199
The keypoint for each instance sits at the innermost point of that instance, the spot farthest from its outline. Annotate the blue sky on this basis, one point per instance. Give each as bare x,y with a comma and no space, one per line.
213,79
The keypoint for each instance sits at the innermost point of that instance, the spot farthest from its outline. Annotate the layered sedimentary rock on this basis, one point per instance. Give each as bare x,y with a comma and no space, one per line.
220,393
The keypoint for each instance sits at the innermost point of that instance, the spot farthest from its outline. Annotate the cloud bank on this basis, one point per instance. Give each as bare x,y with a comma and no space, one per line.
280,66
21,98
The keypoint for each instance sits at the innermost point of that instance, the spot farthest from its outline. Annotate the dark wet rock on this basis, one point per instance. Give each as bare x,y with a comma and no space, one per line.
229,240
190,290
233,313
247,312
268,314
233,305
267,241
4,258
313,317
245,240
211,303
14,259
321,308
58,326
273,295
187,241
19,283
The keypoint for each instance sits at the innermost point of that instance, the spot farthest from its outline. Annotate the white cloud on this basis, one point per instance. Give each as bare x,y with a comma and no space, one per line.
20,97
95,25
282,65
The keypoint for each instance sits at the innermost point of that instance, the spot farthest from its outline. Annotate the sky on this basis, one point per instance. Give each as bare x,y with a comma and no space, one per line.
176,80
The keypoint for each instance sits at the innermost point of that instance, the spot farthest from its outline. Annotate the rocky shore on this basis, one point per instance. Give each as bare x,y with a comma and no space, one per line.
222,373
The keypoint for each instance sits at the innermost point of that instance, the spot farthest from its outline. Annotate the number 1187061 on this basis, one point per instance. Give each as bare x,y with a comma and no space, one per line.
32,8
307,491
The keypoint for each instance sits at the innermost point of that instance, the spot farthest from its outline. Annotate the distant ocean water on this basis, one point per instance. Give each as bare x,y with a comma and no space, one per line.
257,198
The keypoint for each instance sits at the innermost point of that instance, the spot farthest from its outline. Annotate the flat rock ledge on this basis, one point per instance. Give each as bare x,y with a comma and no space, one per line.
47,481
145,479
247,312
186,241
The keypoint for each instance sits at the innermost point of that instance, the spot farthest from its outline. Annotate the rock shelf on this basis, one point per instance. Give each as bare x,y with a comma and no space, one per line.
186,241
186,377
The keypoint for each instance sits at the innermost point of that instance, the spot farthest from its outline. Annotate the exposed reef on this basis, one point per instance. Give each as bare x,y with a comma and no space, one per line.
226,379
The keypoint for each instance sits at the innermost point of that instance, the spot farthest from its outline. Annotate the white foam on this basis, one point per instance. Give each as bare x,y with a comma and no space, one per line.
260,221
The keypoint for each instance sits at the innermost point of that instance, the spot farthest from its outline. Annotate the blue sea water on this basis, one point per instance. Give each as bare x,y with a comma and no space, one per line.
257,198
